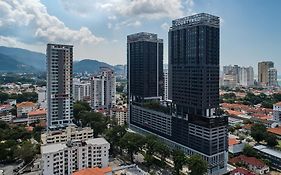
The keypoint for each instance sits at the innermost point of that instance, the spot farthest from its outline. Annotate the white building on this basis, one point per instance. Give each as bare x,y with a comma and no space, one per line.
81,90
42,97
246,76
165,84
103,90
65,158
120,115
70,133
277,112
24,108
59,84
7,118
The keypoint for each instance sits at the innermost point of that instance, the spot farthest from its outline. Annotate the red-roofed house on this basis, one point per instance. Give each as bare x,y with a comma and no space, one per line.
241,171
94,171
36,115
235,146
252,163
275,131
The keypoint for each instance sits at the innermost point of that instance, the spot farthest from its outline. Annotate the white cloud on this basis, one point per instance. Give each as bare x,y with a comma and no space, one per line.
47,28
8,41
165,26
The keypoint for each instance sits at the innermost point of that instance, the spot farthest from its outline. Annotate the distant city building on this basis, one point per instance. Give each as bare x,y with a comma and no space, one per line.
66,158
234,76
190,122
145,66
263,75
59,84
81,90
67,134
36,116
103,90
165,84
120,115
277,112
272,77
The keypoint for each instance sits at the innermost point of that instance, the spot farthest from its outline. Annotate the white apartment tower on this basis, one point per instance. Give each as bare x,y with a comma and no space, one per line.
81,90
272,77
277,112
59,84
103,90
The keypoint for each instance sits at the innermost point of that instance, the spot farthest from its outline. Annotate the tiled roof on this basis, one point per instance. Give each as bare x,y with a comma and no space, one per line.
93,171
37,112
248,160
25,104
232,141
242,171
278,104
276,131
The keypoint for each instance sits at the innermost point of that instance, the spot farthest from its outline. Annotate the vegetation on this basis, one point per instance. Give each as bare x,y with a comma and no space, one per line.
15,144
179,161
197,165
79,107
249,151
25,96
271,140
258,132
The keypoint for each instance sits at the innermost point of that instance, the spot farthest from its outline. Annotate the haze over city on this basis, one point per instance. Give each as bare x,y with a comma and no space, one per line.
249,29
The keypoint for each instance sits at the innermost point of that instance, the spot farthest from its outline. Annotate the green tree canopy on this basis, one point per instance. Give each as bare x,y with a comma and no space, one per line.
180,160
271,140
258,132
197,165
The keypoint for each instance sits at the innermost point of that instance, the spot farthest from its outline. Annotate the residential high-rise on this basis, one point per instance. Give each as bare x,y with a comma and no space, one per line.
191,122
59,84
81,90
234,76
145,66
103,89
165,84
277,112
246,76
272,77
263,68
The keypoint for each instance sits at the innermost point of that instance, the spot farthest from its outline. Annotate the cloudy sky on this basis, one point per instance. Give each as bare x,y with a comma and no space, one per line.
250,29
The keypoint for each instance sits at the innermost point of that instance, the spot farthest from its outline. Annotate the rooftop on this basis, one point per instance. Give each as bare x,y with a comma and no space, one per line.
276,131
278,104
242,171
269,151
143,36
232,141
248,160
93,171
201,18
25,104
37,112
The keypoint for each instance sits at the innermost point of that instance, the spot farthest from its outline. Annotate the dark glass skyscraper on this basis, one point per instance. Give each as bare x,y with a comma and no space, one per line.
194,64
145,66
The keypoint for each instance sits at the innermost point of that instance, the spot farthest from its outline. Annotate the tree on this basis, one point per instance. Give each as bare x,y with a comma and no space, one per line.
133,143
97,121
26,152
258,132
271,140
179,159
197,165
3,97
79,107
113,136
249,151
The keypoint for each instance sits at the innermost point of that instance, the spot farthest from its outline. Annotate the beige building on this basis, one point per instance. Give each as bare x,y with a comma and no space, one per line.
120,115
70,133
263,67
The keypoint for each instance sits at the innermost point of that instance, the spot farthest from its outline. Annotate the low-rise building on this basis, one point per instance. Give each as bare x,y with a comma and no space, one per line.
67,134
235,146
36,115
120,115
252,163
272,155
66,158
275,131
24,108
94,171
241,171
7,118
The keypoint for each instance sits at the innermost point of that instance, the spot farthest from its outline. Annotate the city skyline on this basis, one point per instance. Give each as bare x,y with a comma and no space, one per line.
244,41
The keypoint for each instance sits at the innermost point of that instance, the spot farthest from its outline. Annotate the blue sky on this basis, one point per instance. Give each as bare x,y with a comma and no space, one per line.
250,29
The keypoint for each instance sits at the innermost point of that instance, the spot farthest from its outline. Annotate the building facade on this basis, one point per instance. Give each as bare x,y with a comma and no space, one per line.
103,90
66,158
67,134
263,67
277,112
81,90
145,66
272,77
120,115
165,84
190,122
59,84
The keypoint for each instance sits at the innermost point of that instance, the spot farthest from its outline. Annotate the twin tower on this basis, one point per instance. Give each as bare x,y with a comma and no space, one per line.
189,120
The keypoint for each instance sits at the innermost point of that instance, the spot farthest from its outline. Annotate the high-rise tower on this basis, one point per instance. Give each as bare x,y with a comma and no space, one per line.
263,67
145,66
59,84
